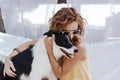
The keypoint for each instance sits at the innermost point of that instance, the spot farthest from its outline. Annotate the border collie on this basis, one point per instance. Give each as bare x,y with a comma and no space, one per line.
33,63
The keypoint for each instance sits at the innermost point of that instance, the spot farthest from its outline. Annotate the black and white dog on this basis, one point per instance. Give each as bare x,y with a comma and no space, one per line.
33,63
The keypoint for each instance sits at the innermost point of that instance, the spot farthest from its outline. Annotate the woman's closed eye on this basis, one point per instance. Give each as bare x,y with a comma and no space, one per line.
67,32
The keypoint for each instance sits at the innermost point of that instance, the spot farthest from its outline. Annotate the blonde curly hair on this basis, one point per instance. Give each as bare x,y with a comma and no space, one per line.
65,16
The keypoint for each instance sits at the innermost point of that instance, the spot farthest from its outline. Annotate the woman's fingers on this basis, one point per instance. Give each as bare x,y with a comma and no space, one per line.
53,38
9,72
76,40
12,66
49,43
9,68
50,39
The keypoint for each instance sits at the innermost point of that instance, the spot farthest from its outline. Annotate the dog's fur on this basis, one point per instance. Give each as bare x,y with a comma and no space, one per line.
33,63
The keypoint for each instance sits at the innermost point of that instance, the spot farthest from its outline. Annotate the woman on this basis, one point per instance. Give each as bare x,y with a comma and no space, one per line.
67,21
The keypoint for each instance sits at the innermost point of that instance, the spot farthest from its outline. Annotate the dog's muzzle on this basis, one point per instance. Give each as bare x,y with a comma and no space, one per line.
69,52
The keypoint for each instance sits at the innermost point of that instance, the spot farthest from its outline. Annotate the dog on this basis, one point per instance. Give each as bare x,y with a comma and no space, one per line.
33,63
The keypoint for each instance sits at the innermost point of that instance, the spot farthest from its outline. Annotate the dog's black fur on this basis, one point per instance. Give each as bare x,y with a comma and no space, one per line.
22,63
23,60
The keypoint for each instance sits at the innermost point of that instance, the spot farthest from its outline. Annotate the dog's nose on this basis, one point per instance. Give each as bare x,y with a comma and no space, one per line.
75,50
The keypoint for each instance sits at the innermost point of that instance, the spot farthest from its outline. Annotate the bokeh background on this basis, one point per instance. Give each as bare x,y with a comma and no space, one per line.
23,20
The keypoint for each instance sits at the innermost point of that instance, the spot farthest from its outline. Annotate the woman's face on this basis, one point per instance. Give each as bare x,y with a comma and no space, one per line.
71,29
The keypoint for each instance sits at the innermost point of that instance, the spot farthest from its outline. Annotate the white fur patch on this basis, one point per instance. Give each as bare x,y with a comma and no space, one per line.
40,66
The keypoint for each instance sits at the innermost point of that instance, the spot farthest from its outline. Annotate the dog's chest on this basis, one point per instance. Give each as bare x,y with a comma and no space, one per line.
41,59
41,66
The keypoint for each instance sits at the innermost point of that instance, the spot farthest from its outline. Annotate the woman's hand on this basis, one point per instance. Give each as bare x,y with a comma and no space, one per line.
49,44
79,43
76,40
9,68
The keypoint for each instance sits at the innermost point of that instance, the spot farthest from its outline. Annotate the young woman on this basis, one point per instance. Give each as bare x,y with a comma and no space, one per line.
69,21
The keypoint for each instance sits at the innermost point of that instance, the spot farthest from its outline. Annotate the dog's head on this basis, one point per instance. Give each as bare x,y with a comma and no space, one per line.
64,43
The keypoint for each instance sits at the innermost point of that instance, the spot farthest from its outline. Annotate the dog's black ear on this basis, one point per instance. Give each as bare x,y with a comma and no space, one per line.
49,33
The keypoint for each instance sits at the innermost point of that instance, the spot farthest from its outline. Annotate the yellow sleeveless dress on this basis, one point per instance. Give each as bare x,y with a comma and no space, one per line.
79,72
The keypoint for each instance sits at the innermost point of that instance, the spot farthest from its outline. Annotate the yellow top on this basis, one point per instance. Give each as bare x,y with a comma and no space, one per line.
79,72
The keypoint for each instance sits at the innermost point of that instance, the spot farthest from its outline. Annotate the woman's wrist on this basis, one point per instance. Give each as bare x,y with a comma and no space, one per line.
17,50
7,59
14,52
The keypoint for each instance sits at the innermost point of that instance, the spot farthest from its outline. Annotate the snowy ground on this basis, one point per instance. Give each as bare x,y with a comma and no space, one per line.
104,56
105,60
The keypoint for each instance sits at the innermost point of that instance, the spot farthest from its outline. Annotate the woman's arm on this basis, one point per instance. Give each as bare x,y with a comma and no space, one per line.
21,48
68,64
8,63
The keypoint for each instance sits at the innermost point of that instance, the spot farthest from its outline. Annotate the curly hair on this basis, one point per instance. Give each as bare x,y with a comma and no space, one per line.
65,16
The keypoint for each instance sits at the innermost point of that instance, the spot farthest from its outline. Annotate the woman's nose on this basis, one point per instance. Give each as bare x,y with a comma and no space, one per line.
71,36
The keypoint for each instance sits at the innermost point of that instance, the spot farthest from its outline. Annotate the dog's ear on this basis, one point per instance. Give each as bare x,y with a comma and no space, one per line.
49,33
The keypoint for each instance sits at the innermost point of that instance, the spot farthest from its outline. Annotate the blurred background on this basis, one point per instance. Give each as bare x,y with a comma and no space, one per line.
29,18
22,20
